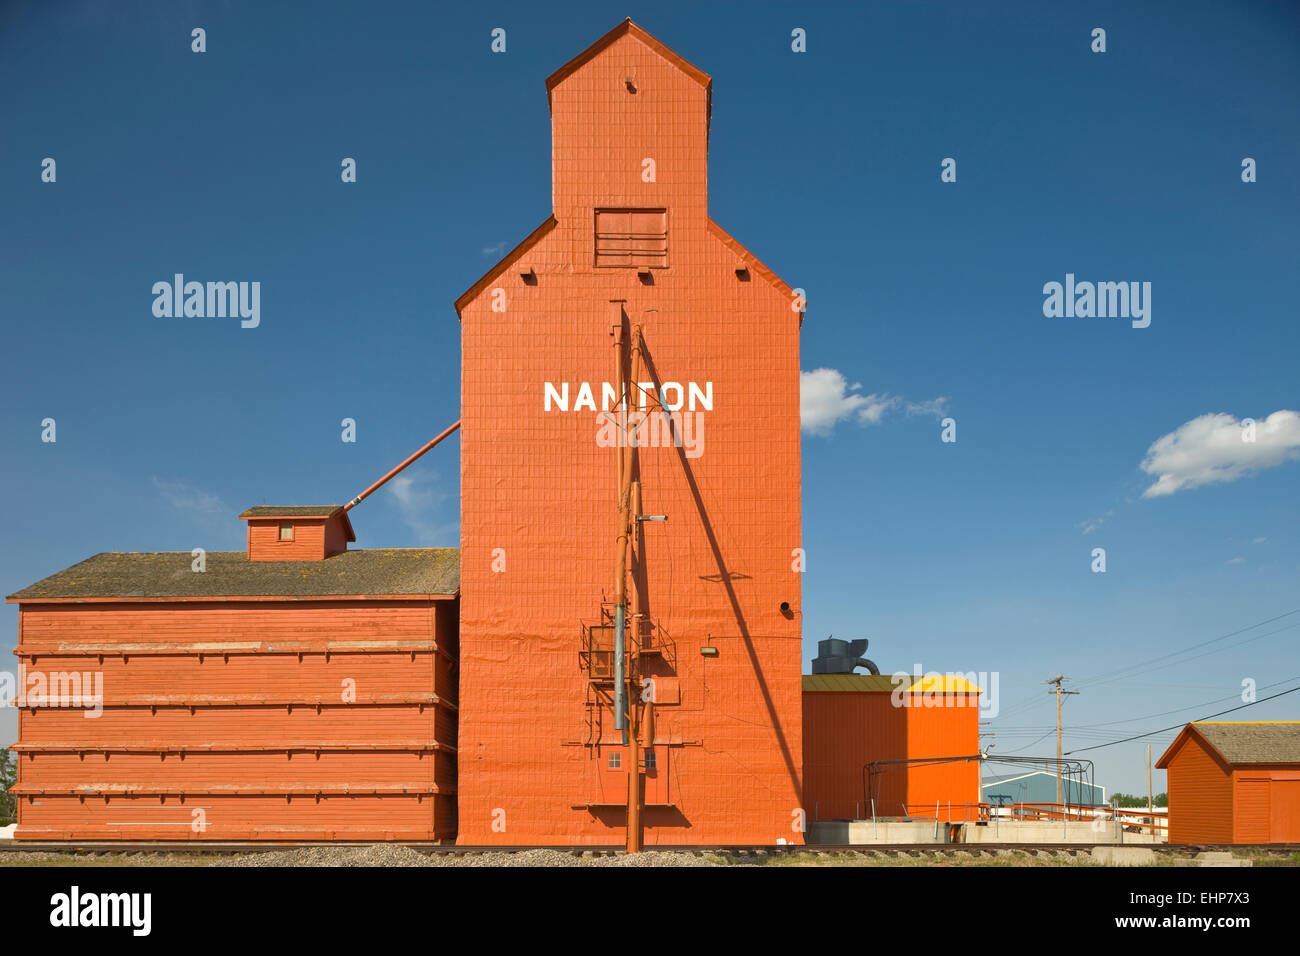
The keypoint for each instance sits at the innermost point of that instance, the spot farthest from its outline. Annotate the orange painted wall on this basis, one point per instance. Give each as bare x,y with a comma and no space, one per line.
278,720
537,486
1266,802
1200,795
308,542
843,731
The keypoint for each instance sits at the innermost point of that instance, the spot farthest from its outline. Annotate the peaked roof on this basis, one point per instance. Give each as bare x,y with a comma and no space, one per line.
626,28
509,259
229,574
290,511
302,511
1243,742
1025,775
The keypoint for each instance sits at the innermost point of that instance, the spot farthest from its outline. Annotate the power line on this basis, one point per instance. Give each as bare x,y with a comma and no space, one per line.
1217,650
1179,726
1161,657
1166,713
1028,729
1029,702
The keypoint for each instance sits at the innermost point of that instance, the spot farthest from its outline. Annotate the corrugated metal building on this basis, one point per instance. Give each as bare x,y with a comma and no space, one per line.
876,744
1039,787
1234,782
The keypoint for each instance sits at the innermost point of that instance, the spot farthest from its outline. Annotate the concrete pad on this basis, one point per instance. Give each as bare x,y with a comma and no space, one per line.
1220,858
7,833
865,832
1049,831
1124,855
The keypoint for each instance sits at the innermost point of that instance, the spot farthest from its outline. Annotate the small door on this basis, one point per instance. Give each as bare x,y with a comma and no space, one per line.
1252,813
1284,811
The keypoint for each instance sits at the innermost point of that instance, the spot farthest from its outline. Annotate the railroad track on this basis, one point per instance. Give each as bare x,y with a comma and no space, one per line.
92,848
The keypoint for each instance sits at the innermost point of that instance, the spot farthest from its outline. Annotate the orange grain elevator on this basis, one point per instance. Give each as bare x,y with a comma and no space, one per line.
629,317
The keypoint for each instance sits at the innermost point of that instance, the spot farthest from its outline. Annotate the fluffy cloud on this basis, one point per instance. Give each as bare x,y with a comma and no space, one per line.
418,497
1209,450
826,397
188,498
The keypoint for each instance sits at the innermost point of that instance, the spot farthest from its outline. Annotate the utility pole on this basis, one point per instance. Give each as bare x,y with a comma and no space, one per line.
1059,693
1150,802
626,716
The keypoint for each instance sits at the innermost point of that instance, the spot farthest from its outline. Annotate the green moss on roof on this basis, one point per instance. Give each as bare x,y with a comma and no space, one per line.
231,574
295,511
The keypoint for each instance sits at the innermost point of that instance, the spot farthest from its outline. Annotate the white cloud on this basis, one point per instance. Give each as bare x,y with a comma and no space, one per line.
417,500
1237,560
1259,540
496,250
188,498
826,398
1209,450
1092,524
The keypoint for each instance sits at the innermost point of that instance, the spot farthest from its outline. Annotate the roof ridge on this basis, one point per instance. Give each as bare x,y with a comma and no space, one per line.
627,28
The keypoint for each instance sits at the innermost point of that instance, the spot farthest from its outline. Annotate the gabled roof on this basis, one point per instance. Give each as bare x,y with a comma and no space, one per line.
302,511
290,511
408,572
1242,742
626,28
750,260
1008,777
509,259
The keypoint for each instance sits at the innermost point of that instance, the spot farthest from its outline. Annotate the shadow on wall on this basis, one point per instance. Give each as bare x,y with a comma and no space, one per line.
725,575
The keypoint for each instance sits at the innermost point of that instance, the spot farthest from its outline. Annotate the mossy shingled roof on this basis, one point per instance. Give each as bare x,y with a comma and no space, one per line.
290,511
1253,742
162,574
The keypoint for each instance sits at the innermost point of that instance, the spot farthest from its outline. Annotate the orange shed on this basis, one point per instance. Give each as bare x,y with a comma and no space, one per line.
1234,782
630,243
908,744
296,691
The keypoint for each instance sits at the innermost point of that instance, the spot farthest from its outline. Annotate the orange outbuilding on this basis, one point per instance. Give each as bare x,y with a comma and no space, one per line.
1234,782
296,691
630,245
890,747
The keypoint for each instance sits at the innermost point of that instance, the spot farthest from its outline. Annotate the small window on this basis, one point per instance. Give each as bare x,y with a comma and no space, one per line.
286,532
615,760
632,237
650,760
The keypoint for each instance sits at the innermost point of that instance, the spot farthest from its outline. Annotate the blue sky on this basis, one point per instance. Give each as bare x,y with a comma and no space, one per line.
965,556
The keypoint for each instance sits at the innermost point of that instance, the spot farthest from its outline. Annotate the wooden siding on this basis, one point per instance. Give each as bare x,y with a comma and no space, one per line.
1267,804
313,538
1200,795
303,720
1251,820
1284,807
